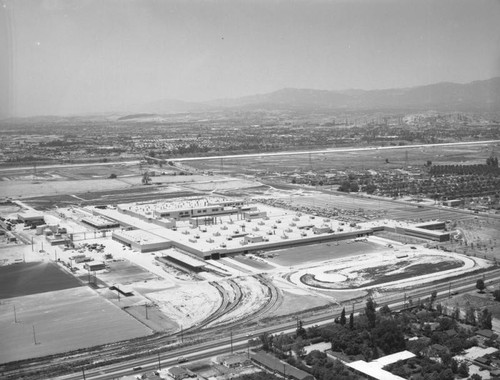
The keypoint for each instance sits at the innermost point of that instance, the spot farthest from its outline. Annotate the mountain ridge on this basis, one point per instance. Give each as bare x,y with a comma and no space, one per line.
481,94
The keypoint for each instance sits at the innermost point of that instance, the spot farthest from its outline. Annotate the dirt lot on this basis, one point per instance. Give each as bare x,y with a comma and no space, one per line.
32,278
63,320
125,272
321,252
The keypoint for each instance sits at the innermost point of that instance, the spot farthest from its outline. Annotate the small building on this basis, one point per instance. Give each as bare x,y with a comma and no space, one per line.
32,218
453,202
253,238
485,333
483,361
183,261
284,369
234,360
100,223
321,230
80,259
95,266
435,351
56,239
179,373
254,214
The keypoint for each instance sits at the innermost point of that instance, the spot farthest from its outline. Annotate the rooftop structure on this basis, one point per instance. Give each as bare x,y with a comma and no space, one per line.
100,222
141,240
185,208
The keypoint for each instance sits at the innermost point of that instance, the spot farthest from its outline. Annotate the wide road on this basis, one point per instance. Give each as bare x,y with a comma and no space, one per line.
240,341
285,153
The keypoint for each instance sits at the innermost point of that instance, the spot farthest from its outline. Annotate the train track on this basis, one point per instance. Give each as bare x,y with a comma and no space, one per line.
128,350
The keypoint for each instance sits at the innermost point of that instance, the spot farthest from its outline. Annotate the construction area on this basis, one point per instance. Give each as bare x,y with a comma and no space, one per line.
203,255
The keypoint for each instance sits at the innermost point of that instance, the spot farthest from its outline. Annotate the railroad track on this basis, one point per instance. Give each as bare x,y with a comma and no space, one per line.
128,350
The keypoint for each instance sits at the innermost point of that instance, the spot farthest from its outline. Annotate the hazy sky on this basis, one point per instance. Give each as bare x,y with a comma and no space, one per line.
79,56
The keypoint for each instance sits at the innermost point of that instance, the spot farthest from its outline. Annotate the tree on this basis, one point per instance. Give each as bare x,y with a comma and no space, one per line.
345,187
385,310
485,319
146,179
470,316
454,365
432,299
370,312
475,376
342,317
388,336
480,285
267,341
301,331
463,370
112,176
496,294
298,347
351,321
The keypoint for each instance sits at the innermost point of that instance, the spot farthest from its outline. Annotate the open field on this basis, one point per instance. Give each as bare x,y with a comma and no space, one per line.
356,160
132,194
63,320
32,278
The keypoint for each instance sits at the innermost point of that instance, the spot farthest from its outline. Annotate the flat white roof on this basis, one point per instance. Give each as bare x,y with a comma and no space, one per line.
374,368
177,204
98,220
140,236
393,358
29,214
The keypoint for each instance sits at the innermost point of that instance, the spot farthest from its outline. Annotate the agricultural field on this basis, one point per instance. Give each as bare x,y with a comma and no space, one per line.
63,320
23,279
356,160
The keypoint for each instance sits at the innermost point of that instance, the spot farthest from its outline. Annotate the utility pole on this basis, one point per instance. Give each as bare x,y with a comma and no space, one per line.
34,336
146,306
83,372
182,335
231,334
15,314
449,291
159,361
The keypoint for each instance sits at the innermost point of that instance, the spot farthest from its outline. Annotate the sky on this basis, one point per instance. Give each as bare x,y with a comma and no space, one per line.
64,57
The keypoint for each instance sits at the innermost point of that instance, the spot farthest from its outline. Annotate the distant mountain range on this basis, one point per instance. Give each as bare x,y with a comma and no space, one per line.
481,95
